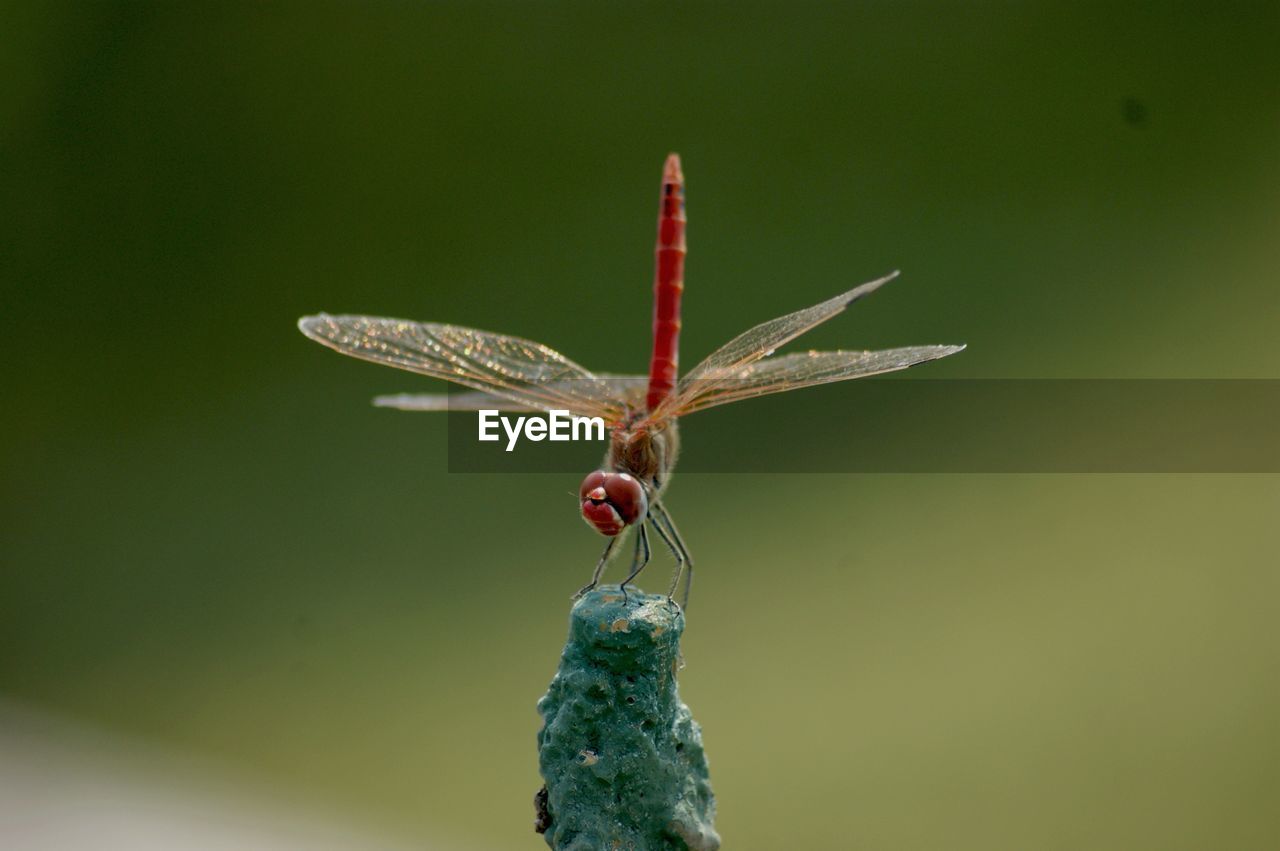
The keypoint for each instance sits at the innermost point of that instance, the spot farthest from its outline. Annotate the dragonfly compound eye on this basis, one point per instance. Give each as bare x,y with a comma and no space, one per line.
612,501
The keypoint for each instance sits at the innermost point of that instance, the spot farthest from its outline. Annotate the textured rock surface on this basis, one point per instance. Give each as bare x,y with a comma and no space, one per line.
621,755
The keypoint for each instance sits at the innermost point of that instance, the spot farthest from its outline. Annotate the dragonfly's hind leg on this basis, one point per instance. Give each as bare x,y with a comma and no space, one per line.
640,560
671,536
679,557
599,571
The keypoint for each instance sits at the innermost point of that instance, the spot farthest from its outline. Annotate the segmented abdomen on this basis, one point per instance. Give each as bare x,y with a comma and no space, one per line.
668,284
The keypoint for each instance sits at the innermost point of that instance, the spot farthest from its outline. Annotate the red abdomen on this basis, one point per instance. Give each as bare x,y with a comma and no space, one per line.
668,284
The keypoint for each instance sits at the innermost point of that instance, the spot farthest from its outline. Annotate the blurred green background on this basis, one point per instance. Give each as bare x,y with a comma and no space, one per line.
211,540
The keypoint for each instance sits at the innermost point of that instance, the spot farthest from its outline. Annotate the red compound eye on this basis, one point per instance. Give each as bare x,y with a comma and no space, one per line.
591,482
627,496
612,501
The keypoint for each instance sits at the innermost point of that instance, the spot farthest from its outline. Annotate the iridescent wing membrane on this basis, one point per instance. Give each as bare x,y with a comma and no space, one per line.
743,368
512,374
522,373
805,369
628,389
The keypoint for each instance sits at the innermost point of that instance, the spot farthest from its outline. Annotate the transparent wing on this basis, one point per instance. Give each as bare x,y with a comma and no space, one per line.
472,401
755,344
804,369
519,371
629,388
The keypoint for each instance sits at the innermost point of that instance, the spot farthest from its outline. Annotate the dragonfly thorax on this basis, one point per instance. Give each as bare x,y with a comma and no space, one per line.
647,452
638,465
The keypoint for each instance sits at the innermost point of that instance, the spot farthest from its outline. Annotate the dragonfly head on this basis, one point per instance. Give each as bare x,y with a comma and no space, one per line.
612,501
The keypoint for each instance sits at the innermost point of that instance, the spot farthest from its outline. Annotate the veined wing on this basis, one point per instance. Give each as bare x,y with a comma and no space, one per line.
629,388
805,369
520,371
755,344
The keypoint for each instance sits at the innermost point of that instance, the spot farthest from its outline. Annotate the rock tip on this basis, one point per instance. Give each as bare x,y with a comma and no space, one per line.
608,604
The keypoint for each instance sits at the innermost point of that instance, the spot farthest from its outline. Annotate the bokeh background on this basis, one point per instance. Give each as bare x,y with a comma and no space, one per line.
212,544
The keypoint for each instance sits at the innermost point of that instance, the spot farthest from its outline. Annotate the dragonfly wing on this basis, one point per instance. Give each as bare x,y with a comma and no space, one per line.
805,369
626,387
520,371
472,401
757,343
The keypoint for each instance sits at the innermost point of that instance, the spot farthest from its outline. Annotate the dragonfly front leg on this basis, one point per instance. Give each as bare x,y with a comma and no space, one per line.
599,571
641,559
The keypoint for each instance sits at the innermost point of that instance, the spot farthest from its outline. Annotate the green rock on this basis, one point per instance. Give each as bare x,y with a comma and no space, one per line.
621,755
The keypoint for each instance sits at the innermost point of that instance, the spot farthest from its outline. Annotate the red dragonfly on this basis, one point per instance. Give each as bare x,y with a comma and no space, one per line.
511,374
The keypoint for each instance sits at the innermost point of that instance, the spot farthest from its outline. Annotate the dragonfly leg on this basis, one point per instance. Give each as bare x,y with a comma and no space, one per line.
675,551
595,577
642,545
638,553
678,548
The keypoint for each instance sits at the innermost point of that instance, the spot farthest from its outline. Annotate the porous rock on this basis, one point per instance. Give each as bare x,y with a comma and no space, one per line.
620,754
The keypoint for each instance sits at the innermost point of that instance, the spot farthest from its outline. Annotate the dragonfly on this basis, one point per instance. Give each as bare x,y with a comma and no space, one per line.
506,373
